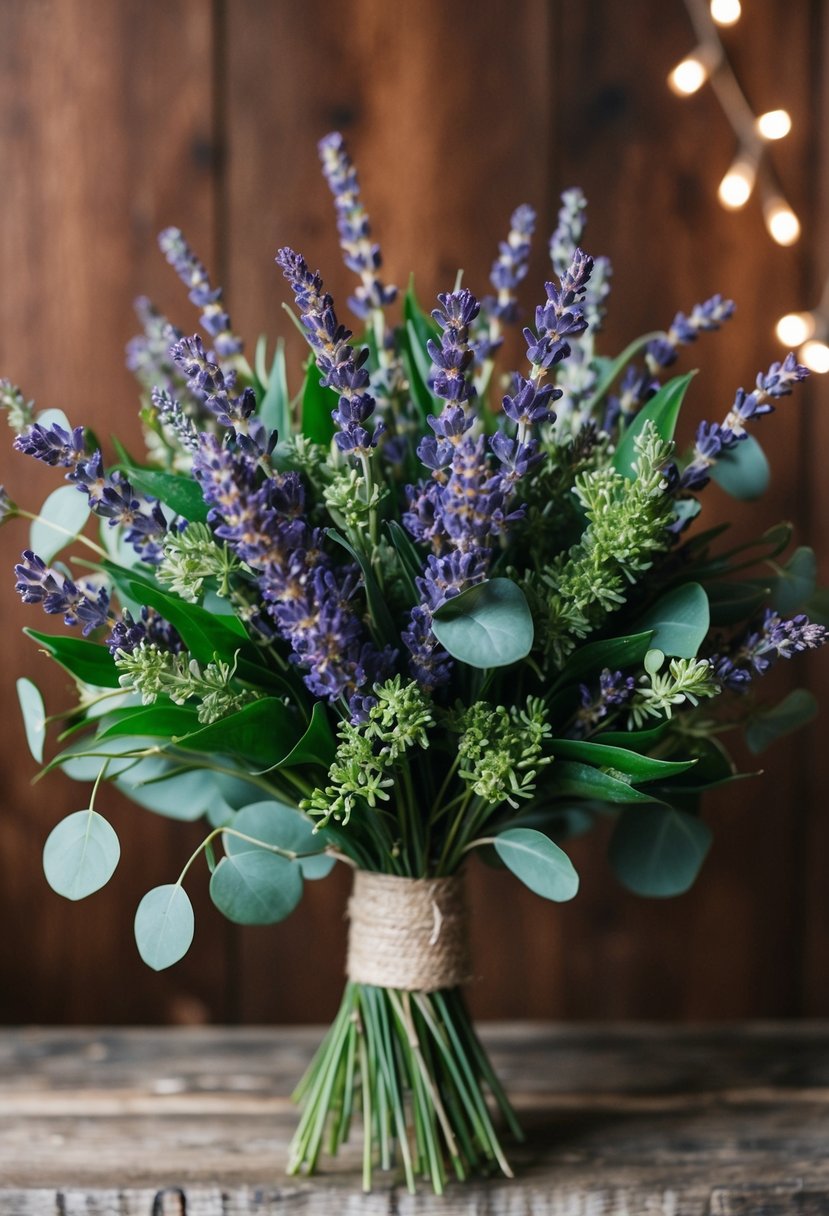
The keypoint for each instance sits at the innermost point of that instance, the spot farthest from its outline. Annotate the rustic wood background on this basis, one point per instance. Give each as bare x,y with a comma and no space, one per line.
118,119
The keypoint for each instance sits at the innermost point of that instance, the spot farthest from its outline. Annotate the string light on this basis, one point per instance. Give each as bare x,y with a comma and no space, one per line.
726,12
782,223
808,333
736,187
709,63
815,355
795,328
774,124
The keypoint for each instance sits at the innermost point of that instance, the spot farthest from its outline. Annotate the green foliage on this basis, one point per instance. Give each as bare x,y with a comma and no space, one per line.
80,854
192,556
255,887
768,724
501,750
541,865
182,495
685,680
637,768
488,625
679,621
60,520
164,926
153,672
88,661
657,850
34,716
743,471
795,582
286,828
659,416
275,406
317,405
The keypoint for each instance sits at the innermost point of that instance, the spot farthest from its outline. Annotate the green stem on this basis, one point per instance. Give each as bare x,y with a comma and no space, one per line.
84,540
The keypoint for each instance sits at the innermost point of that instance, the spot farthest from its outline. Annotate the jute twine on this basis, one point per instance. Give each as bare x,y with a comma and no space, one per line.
407,933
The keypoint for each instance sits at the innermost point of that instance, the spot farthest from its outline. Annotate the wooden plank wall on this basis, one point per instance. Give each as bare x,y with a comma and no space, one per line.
116,120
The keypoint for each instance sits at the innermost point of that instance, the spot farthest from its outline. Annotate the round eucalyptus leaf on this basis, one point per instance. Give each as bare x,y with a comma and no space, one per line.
538,862
255,887
164,926
286,828
80,854
658,850
488,625
679,621
796,582
34,716
52,417
743,471
66,510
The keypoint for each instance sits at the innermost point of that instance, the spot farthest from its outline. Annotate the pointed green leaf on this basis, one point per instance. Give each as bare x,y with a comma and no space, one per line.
156,721
164,926
541,865
255,887
743,471
80,854
796,582
64,511
639,768
275,408
731,603
657,850
611,652
181,495
384,628
317,745
570,777
679,621
88,661
34,716
318,402
260,732
488,625
663,411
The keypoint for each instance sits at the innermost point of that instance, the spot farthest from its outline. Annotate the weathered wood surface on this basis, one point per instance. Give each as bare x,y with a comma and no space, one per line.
118,119
621,1121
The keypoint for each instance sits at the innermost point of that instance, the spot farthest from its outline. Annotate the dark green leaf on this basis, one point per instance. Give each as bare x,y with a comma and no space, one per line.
767,725
612,652
743,471
164,926
635,740
679,620
154,720
411,563
80,854
317,745
657,850
569,777
488,625
255,887
541,865
635,766
730,603
317,405
260,732
424,325
662,410
88,661
180,493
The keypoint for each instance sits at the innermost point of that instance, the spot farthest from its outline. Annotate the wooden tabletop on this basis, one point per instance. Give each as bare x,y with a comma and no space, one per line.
621,1121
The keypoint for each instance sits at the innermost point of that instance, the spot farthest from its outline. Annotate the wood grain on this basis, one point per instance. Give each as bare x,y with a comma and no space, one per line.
619,1120
115,124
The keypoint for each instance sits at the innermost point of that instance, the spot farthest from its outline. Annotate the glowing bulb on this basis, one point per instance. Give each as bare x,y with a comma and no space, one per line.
688,76
774,124
736,187
815,355
781,221
795,328
726,12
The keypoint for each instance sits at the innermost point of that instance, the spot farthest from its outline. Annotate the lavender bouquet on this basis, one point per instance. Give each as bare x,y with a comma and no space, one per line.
415,610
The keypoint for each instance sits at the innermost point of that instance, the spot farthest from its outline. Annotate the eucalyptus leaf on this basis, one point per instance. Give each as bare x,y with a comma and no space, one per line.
488,625
765,726
164,926
255,887
161,786
80,854
34,716
539,863
658,851
663,411
53,417
61,518
287,828
743,471
796,582
679,620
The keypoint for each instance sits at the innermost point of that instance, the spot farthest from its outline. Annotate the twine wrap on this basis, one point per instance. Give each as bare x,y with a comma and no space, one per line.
407,933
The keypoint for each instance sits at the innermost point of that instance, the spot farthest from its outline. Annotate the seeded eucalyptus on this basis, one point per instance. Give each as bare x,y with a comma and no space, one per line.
405,607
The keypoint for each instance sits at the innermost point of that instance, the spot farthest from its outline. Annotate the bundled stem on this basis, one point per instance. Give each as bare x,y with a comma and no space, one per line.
414,1065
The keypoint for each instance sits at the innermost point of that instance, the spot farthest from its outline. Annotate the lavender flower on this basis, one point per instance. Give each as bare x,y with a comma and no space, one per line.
209,299
208,379
362,255
510,267
777,638
310,601
148,354
54,445
171,415
569,229
341,369
637,387
128,634
20,411
703,318
614,691
713,439
80,603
